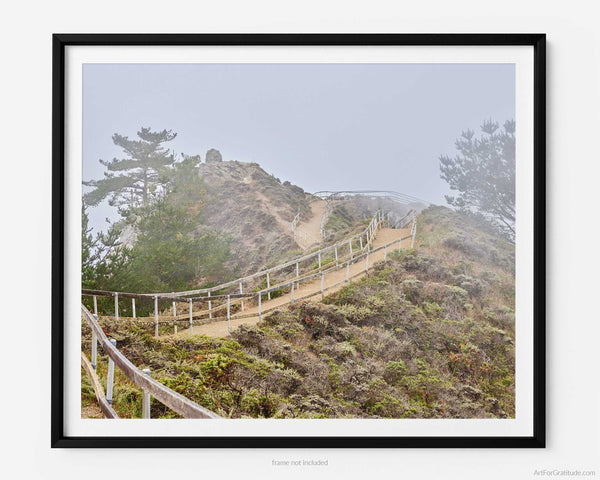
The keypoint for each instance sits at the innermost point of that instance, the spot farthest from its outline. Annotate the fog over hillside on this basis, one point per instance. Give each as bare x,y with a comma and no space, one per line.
319,126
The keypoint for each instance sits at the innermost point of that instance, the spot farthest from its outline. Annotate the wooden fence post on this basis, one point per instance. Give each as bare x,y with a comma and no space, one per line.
367,262
259,306
319,259
95,305
146,398
399,244
242,291
292,296
156,316
348,272
412,243
191,316
336,256
361,245
133,307
228,314
110,377
209,307
350,243
94,346
297,273
322,284
117,306
174,316
268,286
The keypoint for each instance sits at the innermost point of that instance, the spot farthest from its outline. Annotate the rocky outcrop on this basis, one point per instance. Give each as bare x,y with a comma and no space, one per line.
213,156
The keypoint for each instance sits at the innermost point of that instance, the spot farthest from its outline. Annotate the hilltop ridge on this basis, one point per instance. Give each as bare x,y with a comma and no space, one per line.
252,207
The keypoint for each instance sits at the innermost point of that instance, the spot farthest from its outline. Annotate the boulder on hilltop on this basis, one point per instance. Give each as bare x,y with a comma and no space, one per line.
213,156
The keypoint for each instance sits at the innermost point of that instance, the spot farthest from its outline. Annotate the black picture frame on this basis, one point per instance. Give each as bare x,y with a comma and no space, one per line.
62,41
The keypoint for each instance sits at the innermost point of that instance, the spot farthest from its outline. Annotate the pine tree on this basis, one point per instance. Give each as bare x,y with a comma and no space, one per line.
89,251
484,174
134,180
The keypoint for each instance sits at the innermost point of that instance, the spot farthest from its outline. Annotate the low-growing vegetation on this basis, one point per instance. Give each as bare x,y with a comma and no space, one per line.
428,334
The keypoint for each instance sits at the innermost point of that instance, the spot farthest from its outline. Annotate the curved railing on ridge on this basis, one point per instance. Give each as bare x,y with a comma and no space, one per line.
330,196
399,197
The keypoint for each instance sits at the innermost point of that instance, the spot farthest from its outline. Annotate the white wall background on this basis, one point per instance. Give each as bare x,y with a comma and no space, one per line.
573,172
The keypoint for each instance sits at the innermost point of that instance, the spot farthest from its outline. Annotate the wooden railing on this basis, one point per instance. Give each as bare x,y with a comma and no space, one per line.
363,239
331,196
325,218
301,234
219,307
367,235
104,404
170,398
150,387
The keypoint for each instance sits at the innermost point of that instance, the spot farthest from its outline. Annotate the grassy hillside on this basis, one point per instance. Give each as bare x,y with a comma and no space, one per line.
429,334
255,209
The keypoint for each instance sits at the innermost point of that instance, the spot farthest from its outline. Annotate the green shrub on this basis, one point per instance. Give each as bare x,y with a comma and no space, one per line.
394,371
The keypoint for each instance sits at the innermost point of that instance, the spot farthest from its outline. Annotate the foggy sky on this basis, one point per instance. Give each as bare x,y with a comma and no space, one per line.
320,126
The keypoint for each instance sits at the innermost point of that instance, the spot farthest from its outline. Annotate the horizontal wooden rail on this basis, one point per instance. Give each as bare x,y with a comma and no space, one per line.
237,316
176,402
137,296
282,266
176,296
213,310
106,408
324,269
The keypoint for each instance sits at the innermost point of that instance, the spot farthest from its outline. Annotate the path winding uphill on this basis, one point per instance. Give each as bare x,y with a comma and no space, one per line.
309,233
307,277
384,236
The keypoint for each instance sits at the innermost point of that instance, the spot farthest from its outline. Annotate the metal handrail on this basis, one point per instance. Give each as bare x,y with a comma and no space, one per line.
399,197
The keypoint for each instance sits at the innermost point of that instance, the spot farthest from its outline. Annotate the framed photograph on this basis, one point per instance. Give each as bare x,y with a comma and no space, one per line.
298,240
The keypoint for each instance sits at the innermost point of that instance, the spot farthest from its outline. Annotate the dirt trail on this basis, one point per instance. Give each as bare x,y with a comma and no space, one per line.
273,210
91,411
384,235
309,233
